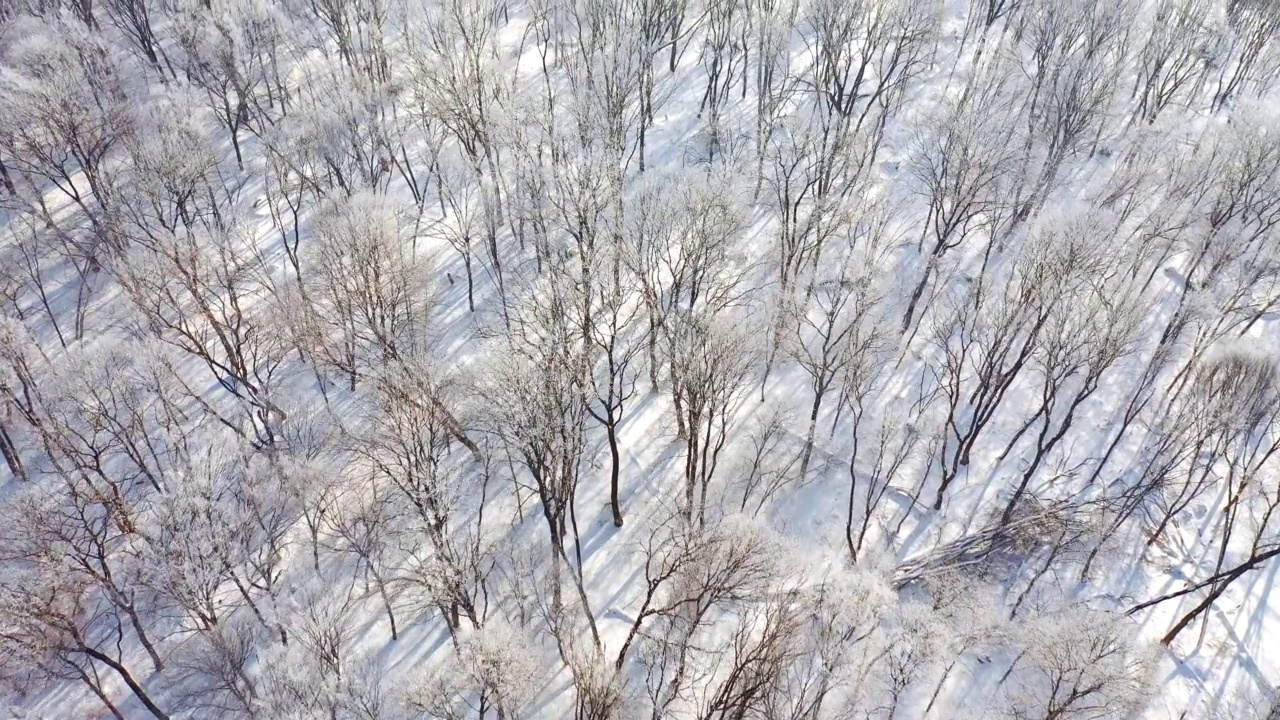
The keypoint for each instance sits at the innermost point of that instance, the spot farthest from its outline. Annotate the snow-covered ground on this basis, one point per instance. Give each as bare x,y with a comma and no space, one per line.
639,358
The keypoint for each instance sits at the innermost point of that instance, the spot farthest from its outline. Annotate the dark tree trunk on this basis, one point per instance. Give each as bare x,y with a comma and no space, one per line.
11,456
127,677
614,471
5,180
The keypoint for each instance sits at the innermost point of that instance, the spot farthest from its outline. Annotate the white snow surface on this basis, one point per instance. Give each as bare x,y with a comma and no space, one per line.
1224,664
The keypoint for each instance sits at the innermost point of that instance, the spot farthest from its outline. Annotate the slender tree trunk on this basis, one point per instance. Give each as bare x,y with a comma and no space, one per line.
1219,584
96,688
910,314
10,453
471,285
235,144
942,681
386,604
614,472
848,525
136,621
1195,612
808,437
5,180
248,599
125,675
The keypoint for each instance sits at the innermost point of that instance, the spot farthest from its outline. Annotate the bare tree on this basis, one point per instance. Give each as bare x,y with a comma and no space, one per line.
770,465
773,81
836,331
339,135
203,290
65,115
845,613
319,673
362,526
492,669
723,60
1072,57
1234,398
215,667
616,342
984,346
700,573
1089,330
963,164
1246,55
55,622
461,221
358,29
133,18
66,112
656,24
408,444
884,451
365,284
1174,60
195,528
536,398
1079,664
231,52
687,257
111,441
37,260
865,54
710,365
459,85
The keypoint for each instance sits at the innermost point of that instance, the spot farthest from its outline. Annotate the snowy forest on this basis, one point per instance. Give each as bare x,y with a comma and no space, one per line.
639,359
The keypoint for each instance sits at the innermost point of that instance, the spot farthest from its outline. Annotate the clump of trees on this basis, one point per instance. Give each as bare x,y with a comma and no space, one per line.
706,359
